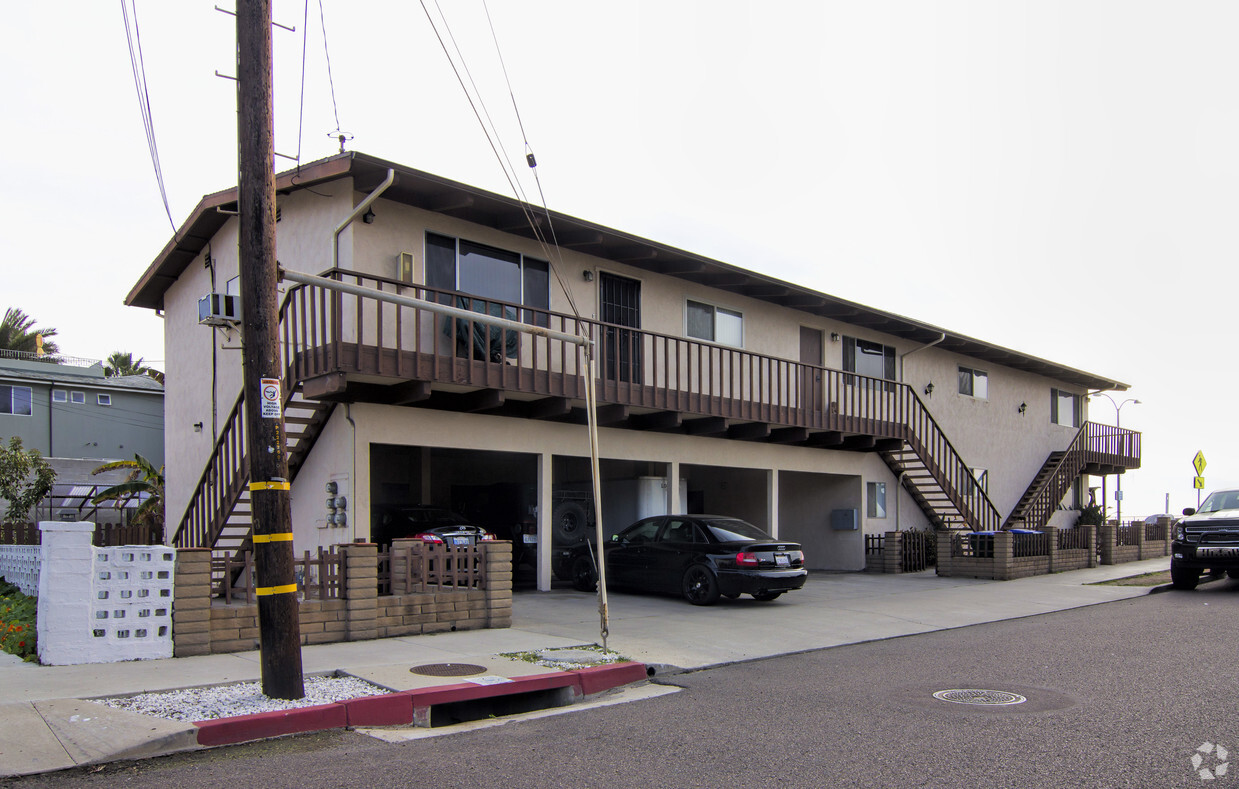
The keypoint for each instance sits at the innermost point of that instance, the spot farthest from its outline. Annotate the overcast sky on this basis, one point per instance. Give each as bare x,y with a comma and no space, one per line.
1055,177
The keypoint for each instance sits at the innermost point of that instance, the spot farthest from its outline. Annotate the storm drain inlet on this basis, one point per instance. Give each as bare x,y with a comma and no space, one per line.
988,698
448,669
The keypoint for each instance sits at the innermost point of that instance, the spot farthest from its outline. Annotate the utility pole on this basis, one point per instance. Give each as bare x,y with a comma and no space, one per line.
279,629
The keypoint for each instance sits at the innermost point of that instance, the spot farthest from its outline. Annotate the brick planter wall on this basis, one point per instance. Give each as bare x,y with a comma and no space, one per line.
204,626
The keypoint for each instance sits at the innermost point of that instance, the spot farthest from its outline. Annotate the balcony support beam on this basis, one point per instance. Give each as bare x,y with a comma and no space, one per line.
752,431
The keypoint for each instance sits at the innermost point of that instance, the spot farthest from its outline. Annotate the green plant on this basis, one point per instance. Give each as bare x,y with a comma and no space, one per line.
1092,515
25,478
144,482
17,622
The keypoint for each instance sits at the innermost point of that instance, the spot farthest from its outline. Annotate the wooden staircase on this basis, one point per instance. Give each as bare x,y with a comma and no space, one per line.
924,488
1052,467
219,513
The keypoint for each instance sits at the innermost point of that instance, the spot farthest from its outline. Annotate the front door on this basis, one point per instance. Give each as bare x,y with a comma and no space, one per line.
620,300
811,374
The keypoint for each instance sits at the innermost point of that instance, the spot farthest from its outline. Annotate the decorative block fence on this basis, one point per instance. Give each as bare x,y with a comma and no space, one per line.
432,589
96,605
102,605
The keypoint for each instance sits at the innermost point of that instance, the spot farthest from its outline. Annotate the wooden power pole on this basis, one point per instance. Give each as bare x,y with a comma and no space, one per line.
279,629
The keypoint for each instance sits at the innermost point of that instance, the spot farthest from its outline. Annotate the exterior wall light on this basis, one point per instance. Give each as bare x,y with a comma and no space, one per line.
834,336
929,389
1023,408
587,275
368,217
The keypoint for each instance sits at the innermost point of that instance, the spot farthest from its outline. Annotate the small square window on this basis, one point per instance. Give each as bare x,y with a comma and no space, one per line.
79,398
877,499
60,396
974,383
103,399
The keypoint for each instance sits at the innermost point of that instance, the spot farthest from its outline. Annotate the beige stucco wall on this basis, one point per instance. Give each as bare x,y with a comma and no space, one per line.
986,433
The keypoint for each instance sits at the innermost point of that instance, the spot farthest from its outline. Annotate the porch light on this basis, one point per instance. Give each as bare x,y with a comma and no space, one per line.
587,275
368,217
1023,408
929,389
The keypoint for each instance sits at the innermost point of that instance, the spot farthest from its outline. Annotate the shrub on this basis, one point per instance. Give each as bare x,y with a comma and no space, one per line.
17,622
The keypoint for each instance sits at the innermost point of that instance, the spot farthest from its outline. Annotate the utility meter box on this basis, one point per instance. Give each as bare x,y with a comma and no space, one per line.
845,520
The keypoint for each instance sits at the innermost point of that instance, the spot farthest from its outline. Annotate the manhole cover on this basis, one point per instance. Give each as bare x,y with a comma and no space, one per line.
447,669
991,698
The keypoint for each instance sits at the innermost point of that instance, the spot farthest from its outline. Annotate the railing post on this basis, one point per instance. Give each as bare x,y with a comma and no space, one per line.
1139,529
892,552
191,603
1106,536
1004,555
1051,533
498,578
1091,539
361,590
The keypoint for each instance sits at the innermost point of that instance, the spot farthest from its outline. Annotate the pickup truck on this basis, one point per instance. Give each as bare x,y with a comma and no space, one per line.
1206,539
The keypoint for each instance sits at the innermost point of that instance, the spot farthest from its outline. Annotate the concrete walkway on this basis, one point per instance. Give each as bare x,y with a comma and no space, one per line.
47,724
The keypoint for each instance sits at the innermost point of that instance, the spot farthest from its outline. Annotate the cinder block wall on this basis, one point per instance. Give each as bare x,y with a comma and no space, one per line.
362,614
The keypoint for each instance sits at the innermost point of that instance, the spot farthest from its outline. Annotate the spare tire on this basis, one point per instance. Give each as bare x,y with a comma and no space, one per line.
569,522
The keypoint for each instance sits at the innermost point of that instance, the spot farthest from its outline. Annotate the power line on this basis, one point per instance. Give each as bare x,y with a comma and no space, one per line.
138,65
330,80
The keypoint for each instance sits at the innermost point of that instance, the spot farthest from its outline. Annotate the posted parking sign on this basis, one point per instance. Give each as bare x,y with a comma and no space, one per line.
269,391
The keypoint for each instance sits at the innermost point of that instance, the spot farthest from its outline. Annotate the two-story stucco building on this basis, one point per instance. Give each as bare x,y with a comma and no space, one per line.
720,389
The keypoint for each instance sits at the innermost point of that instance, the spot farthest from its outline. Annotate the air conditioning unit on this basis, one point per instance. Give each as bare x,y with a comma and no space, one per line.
219,309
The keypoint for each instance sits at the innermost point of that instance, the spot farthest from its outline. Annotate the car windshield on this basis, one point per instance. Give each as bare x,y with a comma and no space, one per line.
1221,500
734,530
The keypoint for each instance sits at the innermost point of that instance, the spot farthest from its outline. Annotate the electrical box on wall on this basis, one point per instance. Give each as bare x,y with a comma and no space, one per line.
845,520
404,267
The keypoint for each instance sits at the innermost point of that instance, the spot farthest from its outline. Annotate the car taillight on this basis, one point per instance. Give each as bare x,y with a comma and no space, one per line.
488,537
428,537
746,559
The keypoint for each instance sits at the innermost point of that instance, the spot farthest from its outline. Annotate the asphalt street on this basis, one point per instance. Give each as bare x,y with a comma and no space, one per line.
1121,694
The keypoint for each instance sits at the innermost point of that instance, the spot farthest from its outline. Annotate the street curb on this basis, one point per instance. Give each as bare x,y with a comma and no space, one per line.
411,706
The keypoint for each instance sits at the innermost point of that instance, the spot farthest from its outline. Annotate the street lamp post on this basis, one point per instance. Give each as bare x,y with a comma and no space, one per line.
1118,424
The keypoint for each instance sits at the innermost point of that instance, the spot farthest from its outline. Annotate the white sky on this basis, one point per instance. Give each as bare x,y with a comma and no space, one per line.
1055,177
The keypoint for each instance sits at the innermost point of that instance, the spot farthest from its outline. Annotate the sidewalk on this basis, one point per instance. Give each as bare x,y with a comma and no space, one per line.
46,724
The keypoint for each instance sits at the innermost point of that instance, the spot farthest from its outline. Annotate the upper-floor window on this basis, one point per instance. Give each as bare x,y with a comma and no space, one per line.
973,383
60,396
871,359
714,324
78,398
15,400
1064,408
103,399
489,273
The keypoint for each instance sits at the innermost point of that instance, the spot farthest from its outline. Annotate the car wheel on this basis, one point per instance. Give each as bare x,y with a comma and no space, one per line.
700,586
569,521
584,579
766,596
1184,577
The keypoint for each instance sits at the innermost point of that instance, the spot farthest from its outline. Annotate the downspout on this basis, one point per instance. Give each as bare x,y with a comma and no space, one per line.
906,354
358,211
352,480
898,490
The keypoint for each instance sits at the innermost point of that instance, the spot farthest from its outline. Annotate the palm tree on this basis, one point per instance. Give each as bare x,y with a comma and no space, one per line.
122,363
18,333
145,483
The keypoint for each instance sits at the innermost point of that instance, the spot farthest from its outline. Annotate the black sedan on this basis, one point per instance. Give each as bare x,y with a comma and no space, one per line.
429,524
698,556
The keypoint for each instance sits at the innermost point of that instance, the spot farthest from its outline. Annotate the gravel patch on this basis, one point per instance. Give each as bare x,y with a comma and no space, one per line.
245,698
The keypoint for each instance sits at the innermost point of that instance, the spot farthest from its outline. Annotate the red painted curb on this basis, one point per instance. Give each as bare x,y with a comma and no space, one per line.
599,678
400,709
225,731
390,709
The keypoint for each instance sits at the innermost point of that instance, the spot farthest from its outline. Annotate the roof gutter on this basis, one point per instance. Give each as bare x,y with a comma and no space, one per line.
358,211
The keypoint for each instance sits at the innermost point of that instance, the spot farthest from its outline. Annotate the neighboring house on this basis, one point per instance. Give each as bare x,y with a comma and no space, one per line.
720,389
78,418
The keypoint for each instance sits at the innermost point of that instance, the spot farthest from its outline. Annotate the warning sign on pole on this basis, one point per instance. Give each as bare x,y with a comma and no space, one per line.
269,389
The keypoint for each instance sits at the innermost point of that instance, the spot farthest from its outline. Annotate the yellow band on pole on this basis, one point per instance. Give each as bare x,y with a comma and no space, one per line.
281,537
270,486
264,591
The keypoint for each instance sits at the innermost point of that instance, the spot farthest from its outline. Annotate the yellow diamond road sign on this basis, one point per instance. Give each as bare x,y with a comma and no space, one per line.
1198,463
1198,483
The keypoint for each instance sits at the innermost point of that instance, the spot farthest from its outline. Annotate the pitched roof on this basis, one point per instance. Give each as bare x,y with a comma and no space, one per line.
434,193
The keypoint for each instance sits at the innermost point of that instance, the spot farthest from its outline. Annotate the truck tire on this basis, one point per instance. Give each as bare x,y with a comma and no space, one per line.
1184,577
